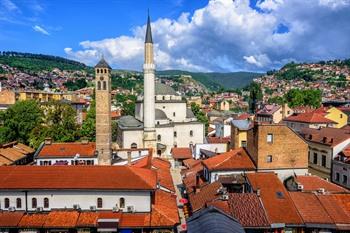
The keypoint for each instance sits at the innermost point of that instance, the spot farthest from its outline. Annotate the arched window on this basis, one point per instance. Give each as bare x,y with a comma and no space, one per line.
104,85
7,203
99,202
121,202
34,203
163,97
18,203
191,133
105,71
175,134
97,71
98,85
159,137
46,202
133,145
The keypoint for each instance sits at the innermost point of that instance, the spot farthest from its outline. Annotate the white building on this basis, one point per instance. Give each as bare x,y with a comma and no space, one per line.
162,119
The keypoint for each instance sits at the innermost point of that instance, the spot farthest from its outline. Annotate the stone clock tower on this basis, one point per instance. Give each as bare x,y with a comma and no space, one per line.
103,113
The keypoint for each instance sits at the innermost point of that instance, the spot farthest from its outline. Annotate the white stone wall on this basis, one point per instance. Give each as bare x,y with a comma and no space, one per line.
141,200
183,134
170,108
69,160
132,136
285,173
167,138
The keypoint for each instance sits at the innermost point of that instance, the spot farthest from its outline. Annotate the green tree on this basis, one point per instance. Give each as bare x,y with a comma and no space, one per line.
255,95
127,103
88,129
200,115
19,120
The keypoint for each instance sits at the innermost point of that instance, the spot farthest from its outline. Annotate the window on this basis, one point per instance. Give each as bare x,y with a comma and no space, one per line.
122,202
133,145
337,176
174,114
175,134
34,203
97,71
104,85
46,202
269,159
323,161
7,203
341,115
315,158
99,202
345,179
244,143
159,137
269,138
18,203
191,133
98,85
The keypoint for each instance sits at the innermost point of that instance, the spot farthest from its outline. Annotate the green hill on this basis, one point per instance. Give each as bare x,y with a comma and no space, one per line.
29,62
215,80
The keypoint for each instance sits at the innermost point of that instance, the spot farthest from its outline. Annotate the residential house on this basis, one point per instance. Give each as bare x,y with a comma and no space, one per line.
15,153
335,114
273,113
308,120
341,168
180,154
324,145
7,98
277,148
239,129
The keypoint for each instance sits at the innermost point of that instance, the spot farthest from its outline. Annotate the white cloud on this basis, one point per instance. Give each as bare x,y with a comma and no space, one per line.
9,5
229,35
40,30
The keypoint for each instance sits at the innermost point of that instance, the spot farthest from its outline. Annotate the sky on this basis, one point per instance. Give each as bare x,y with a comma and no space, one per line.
194,35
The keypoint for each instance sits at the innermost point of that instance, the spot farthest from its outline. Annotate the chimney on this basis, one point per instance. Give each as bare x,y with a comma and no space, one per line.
129,157
283,111
48,141
324,139
85,141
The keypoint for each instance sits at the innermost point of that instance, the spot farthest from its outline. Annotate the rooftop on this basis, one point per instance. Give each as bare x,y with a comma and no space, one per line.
314,183
309,117
326,136
181,153
77,177
68,149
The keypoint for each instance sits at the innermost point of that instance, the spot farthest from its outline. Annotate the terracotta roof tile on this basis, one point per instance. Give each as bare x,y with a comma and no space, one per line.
10,219
313,183
181,153
135,220
206,194
164,211
310,208
309,117
213,140
33,220
275,198
326,136
61,219
248,210
68,149
237,159
77,177
335,210
189,163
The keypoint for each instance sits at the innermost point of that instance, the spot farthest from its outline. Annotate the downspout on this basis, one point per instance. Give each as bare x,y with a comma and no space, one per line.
26,199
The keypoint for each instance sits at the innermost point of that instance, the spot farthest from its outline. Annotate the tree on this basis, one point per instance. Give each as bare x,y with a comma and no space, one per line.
19,120
127,103
200,115
88,129
254,96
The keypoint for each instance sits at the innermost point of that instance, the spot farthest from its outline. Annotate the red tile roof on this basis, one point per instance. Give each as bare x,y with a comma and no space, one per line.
275,198
191,162
206,194
313,183
61,219
248,210
335,210
77,177
68,149
237,159
310,118
243,116
213,140
181,153
10,219
164,177
309,208
164,211
33,220
269,109
326,136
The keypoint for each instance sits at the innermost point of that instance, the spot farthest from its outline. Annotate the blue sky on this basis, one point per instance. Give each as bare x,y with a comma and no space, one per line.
215,35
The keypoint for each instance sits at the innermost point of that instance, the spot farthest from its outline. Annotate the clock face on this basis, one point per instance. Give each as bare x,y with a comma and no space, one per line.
101,78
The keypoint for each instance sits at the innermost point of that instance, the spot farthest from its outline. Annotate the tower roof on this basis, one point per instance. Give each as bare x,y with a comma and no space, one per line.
103,64
148,38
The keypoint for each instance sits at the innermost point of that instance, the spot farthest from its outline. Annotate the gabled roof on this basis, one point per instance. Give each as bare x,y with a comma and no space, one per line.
313,183
68,149
269,109
275,198
310,118
237,159
181,153
326,136
76,177
102,64
207,194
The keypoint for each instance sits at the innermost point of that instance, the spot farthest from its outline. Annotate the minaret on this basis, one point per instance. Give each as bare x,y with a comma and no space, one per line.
149,136
103,113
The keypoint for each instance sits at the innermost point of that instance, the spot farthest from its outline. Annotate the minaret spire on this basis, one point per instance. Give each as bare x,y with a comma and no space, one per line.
148,38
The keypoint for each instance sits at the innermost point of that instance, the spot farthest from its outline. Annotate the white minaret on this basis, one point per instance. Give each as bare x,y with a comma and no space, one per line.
149,136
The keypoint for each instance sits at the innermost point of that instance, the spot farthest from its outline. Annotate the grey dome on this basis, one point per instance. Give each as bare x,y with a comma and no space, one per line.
160,115
162,89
